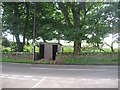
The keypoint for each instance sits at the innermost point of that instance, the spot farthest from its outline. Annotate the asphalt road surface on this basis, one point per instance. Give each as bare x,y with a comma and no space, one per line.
19,75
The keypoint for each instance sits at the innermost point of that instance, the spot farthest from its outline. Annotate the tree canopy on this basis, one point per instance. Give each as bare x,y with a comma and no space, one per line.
73,21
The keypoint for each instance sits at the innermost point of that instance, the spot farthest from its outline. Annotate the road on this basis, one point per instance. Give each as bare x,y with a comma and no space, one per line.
19,75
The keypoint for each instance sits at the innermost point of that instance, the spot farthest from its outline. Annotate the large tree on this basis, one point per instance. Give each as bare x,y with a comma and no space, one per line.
16,21
86,21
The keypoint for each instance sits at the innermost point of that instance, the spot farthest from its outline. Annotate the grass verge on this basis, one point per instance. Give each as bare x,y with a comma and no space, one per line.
91,61
5,59
74,61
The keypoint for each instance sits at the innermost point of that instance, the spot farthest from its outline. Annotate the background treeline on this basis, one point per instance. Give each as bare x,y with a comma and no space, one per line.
72,21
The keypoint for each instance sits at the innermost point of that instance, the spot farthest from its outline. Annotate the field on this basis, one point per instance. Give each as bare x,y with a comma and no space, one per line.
65,49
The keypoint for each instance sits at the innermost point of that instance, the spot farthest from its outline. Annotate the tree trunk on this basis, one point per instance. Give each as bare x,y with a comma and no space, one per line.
77,47
76,15
64,8
111,46
28,42
20,47
15,26
19,44
112,49
26,24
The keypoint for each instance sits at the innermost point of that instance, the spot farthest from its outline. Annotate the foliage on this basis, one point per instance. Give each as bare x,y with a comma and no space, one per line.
5,42
13,46
90,21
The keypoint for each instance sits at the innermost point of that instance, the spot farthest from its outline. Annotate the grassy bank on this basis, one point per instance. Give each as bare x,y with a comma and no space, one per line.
89,61
89,58
4,59
79,60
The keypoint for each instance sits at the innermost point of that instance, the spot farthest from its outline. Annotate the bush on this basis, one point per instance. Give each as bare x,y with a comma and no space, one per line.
13,46
5,50
5,42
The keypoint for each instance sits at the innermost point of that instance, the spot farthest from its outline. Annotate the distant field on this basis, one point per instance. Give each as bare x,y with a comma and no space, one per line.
68,49
65,49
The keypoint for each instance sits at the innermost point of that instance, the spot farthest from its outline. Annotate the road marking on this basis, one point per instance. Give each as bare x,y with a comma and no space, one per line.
4,75
86,79
34,79
105,79
27,76
16,75
21,78
26,79
1,66
12,77
91,83
39,82
56,78
83,79
70,69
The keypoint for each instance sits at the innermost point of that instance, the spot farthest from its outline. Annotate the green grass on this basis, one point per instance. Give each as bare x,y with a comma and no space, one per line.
67,48
29,48
26,48
81,60
71,49
4,59
91,60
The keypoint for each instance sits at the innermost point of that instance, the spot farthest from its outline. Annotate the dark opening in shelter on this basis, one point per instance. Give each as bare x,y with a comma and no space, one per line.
49,50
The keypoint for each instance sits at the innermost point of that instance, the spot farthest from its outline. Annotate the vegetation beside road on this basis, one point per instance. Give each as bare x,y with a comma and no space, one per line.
28,48
87,60
68,58
90,56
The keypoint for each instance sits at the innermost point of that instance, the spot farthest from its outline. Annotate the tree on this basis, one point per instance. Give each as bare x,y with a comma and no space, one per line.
15,19
112,11
18,19
73,21
86,19
49,25
74,9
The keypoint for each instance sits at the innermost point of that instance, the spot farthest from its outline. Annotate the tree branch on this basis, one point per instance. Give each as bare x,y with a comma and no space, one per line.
64,9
